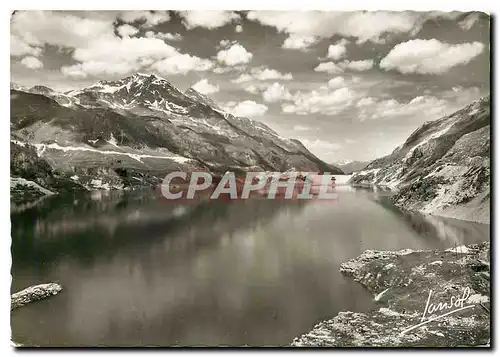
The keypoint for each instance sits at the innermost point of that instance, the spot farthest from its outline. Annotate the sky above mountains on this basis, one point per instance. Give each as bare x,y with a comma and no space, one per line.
349,85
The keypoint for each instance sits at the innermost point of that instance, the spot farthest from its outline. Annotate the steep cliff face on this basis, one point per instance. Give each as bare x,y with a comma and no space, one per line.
443,167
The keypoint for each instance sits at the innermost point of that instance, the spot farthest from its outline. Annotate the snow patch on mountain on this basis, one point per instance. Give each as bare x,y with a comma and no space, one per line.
41,148
112,141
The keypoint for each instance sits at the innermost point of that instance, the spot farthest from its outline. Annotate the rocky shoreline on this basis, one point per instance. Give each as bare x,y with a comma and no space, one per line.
413,289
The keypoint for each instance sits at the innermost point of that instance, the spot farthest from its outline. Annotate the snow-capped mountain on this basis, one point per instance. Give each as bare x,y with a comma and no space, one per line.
142,123
443,167
139,91
350,166
16,86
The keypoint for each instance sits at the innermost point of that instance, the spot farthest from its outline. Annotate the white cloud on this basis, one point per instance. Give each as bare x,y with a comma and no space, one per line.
420,108
247,108
224,43
182,64
209,19
428,107
127,49
97,50
31,62
204,87
339,67
362,65
36,28
262,74
112,55
238,28
20,48
363,102
320,147
164,36
253,89
369,26
234,55
299,42
328,67
265,74
363,25
336,82
429,56
323,101
300,128
220,70
244,77
147,18
98,68
127,30
462,96
276,92
337,50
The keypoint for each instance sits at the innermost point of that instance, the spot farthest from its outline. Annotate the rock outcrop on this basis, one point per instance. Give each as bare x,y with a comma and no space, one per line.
32,177
414,288
34,293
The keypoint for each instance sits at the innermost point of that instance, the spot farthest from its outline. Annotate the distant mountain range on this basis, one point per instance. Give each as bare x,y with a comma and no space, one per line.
139,128
443,167
350,166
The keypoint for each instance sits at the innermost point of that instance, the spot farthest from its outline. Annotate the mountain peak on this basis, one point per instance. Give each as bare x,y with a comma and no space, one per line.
344,162
151,76
141,76
16,86
41,89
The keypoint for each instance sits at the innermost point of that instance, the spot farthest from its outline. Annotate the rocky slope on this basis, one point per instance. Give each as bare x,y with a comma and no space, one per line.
443,168
143,124
31,177
408,285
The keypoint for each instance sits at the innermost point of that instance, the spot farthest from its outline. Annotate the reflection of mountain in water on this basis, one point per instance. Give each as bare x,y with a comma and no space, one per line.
216,274
81,227
449,230
137,270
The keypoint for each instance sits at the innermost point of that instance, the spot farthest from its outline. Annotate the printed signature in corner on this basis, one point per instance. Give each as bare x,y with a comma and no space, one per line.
455,304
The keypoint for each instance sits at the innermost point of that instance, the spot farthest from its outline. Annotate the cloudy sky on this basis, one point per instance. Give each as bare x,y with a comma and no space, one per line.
349,85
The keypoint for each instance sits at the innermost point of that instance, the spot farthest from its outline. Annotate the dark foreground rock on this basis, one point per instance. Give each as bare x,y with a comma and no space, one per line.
34,293
408,284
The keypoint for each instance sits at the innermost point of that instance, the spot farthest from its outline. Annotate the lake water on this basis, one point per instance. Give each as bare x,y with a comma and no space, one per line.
139,271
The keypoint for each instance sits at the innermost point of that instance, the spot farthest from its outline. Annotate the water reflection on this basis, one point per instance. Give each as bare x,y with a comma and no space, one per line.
139,271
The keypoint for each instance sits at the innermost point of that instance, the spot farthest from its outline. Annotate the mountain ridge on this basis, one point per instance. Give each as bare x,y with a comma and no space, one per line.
144,124
351,166
443,167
